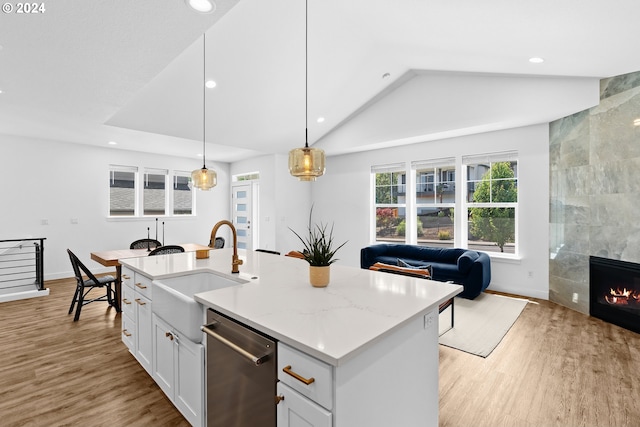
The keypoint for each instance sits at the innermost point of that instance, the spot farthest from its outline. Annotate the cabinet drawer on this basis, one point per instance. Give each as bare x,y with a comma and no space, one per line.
126,276
294,367
127,301
142,285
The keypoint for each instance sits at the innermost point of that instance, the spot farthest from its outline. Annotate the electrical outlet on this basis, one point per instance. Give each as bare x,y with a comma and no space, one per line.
530,274
44,222
575,298
74,220
429,319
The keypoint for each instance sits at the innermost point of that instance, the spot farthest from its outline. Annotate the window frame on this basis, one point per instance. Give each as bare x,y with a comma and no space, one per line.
139,183
434,169
121,168
461,203
391,169
490,159
172,199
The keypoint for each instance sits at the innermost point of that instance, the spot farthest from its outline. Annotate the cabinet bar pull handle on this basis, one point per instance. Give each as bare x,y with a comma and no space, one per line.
256,360
169,335
126,301
124,276
141,286
287,370
126,333
139,302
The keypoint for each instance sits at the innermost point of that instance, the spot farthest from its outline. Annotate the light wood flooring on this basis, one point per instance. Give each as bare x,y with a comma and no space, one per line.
555,367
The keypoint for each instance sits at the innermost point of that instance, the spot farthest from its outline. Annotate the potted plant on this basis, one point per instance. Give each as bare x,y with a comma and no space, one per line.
318,251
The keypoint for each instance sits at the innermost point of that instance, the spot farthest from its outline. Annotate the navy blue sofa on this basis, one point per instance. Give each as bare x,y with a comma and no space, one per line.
471,269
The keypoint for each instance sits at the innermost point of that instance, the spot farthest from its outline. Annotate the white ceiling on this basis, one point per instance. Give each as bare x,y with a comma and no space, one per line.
131,71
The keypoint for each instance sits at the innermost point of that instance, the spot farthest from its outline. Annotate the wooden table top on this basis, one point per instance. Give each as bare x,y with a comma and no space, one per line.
110,258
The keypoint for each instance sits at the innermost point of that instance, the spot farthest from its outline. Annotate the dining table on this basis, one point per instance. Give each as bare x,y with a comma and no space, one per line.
111,258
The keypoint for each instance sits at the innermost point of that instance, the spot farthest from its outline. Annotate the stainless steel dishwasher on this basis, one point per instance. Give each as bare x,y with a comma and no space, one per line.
241,374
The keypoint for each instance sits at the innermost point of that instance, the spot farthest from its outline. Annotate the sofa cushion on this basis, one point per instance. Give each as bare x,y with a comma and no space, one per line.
465,261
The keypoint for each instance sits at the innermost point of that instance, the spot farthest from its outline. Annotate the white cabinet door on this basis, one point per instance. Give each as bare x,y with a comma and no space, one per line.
129,333
144,335
163,359
189,386
298,411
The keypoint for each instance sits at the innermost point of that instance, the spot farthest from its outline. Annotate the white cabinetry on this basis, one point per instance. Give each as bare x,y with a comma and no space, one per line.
136,319
306,389
297,411
178,368
393,383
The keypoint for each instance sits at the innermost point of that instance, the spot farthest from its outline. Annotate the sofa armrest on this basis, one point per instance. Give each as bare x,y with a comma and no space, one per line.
369,255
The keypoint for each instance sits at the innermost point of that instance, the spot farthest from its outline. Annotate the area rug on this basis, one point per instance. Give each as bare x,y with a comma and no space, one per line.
480,324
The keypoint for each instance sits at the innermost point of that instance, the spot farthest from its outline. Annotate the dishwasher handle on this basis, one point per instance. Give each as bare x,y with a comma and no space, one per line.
256,360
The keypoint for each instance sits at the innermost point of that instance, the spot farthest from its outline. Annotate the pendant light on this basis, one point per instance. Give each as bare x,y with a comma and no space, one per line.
306,163
204,178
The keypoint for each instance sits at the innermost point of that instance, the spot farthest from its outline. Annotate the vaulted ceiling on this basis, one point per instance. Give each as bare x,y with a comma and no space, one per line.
379,72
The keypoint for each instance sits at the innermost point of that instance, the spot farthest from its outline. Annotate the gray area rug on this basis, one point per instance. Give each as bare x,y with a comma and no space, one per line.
480,324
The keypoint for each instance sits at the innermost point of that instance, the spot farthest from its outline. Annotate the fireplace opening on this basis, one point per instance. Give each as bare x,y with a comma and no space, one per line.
614,292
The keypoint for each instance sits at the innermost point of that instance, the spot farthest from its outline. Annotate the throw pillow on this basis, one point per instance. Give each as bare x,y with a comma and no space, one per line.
405,264
390,268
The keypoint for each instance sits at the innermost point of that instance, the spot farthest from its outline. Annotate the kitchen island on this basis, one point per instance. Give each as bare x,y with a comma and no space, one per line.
373,335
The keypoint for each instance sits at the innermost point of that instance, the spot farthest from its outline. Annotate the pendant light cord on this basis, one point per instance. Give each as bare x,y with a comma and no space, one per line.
204,101
306,74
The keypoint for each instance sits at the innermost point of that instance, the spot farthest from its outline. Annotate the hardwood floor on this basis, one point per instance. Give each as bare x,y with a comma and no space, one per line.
55,372
555,367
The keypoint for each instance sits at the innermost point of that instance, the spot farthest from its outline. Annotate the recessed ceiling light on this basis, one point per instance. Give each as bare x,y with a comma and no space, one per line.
112,143
536,60
636,122
202,6
210,84
320,119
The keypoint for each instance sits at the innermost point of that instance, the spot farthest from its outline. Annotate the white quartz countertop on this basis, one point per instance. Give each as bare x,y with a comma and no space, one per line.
333,324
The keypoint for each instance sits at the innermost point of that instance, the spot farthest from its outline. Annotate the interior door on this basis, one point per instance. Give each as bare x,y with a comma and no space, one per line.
242,214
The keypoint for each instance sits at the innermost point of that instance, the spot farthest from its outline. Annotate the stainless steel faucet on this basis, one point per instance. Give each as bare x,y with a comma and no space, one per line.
235,261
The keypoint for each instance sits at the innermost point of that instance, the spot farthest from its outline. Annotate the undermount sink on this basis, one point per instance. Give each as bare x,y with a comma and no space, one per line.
173,300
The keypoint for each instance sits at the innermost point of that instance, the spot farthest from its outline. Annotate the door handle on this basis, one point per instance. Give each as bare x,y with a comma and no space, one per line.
256,360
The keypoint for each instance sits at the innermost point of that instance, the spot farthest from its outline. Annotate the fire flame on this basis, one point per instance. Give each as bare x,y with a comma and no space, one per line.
622,296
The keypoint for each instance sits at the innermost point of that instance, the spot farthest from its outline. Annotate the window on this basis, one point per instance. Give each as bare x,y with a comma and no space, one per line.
492,202
154,194
122,190
389,202
252,176
182,194
435,197
484,190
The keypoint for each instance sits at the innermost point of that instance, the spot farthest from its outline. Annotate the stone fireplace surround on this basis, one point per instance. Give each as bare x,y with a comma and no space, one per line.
594,167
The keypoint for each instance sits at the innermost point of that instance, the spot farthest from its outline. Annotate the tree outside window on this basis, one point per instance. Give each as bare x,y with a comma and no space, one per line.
493,201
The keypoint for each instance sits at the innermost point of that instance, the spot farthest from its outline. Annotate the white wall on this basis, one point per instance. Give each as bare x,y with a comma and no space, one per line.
58,181
284,201
343,197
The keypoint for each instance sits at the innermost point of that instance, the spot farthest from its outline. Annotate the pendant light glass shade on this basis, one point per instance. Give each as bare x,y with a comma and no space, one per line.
306,163
204,178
